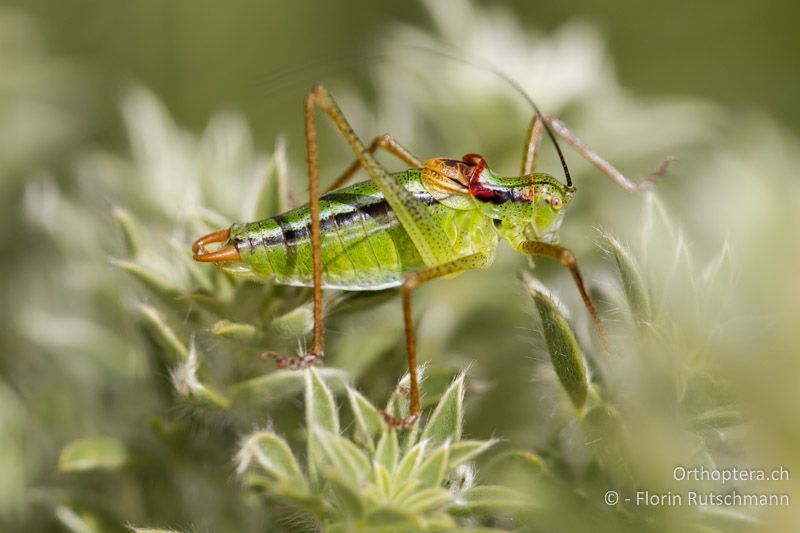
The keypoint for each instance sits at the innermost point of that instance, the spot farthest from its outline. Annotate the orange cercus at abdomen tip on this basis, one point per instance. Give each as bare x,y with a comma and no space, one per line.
224,254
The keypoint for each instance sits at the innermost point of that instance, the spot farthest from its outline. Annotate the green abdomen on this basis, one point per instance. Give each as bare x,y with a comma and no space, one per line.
363,244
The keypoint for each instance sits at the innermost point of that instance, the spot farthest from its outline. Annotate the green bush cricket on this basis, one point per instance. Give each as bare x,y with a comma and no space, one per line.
438,218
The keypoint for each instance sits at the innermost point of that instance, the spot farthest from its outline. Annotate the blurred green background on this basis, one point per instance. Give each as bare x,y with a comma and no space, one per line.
110,120
199,57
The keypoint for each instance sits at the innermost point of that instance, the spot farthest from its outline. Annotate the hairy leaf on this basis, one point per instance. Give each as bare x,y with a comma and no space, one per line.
561,343
630,278
446,420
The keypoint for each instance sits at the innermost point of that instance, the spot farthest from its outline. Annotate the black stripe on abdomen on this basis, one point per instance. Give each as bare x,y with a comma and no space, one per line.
291,236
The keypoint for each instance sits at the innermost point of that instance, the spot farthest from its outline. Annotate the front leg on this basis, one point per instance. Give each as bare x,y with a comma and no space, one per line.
567,258
533,142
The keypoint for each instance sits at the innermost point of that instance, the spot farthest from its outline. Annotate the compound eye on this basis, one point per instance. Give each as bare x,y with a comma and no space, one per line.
555,201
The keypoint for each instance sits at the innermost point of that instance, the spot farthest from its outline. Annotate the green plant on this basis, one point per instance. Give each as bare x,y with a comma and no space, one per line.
377,479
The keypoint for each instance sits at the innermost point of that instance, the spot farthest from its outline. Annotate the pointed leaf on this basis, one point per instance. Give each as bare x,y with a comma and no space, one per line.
131,232
271,453
466,450
382,480
388,449
341,455
368,421
561,343
164,332
320,406
294,323
631,280
446,420
244,333
187,383
93,453
409,463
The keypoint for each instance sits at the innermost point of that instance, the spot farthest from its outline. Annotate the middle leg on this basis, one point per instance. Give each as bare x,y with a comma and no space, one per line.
385,142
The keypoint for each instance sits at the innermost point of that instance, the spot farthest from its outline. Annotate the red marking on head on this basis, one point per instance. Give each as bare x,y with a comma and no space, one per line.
488,192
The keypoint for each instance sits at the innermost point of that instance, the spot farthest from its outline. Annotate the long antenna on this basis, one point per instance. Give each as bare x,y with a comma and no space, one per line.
279,77
514,84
